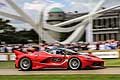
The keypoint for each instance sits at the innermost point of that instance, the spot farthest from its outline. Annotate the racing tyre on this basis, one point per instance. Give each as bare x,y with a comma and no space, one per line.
74,64
25,64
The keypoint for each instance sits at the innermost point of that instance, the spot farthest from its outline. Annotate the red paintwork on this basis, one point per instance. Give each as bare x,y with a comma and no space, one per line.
42,59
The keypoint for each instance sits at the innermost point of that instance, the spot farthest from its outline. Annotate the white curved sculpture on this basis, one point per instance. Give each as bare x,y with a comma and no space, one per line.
39,27
57,27
13,16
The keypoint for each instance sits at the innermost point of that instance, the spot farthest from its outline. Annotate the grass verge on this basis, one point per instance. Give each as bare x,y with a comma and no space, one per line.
112,62
63,77
7,65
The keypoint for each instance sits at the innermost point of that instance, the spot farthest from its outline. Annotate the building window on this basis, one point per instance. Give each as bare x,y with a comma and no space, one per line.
110,36
115,22
110,21
105,37
104,22
99,21
96,37
94,24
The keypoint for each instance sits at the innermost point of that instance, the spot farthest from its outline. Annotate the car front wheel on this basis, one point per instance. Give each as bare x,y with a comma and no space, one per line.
74,64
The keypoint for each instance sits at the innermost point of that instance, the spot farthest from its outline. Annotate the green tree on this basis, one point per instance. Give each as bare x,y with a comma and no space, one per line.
10,36
5,26
6,30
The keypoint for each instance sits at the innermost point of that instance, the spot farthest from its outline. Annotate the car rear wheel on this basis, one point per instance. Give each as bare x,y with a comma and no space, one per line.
74,64
25,64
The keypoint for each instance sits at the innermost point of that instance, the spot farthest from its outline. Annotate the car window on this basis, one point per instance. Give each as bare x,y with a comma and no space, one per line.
56,51
52,51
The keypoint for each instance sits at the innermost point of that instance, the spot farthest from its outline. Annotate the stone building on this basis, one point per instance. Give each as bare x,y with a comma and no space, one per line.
56,15
105,27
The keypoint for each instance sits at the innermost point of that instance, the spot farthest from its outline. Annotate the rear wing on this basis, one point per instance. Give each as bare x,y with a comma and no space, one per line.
17,52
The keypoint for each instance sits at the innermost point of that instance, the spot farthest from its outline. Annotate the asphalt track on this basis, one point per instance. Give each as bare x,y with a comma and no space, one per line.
39,72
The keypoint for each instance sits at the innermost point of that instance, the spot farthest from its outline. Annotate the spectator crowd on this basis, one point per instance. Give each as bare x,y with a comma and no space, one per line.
76,46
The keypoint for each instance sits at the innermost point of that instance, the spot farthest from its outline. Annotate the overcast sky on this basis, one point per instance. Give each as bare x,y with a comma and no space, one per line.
33,7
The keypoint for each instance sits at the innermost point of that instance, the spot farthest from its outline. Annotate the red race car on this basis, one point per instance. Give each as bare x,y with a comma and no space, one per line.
56,58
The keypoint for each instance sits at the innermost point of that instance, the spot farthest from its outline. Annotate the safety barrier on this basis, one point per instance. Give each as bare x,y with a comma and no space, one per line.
99,53
104,53
7,56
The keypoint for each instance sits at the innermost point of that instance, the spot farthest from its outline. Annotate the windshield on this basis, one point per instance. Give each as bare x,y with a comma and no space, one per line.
61,51
68,50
